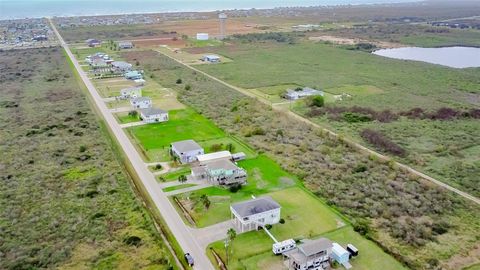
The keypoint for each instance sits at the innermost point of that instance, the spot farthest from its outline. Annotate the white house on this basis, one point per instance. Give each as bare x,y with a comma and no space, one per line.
141,102
294,94
153,115
252,214
311,255
131,92
220,172
202,36
212,58
187,151
125,44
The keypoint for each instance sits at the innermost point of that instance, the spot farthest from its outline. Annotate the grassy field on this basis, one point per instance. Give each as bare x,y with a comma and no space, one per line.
66,202
380,84
182,186
155,139
173,176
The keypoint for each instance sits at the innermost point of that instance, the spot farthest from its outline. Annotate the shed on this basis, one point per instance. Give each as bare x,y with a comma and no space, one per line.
340,255
212,58
202,36
239,156
214,156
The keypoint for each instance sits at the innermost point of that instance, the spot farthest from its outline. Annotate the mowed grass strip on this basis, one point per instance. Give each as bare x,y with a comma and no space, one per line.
183,125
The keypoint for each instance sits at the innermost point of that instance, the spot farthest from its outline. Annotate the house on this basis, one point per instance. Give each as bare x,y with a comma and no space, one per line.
202,36
214,156
125,45
131,92
120,66
211,58
311,255
133,75
186,151
252,214
93,42
153,115
141,102
294,94
220,172
139,82
99,63
341,255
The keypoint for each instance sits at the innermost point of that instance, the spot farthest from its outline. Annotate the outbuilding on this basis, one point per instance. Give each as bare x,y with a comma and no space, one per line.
212,58
214,156
153,115
341,255
121,66
202,36
125,45
133,75
93,42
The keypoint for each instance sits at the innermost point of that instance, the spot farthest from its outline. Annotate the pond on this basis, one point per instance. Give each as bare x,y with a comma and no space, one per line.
455,57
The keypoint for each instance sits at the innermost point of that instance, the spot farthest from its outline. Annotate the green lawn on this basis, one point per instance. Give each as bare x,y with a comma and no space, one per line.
183,125
125,118
238,146
181,186
173,176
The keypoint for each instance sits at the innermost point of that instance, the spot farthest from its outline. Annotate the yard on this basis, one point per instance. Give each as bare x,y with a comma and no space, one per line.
186,124
253,251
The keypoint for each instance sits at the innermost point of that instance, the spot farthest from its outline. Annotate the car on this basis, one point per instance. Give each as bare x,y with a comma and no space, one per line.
189,259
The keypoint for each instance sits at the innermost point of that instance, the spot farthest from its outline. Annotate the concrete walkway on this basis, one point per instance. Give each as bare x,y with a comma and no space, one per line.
189,189
213,233
120,109
182,233
133,124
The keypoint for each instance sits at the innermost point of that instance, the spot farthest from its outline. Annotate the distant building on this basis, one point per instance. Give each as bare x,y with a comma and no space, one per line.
133,75
211,58
294,94
312,255
131,92
141,102
153,115
202,36
125,45
252,214
220,172
121,66
93,42
40,38
186,151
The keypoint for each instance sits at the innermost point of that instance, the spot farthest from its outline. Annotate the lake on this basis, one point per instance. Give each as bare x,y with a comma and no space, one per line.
455,57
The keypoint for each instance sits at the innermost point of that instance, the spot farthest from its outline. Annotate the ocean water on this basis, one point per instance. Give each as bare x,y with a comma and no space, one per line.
15,9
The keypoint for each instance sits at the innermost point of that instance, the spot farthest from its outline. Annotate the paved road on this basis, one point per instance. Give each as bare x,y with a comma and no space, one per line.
332,134
181,232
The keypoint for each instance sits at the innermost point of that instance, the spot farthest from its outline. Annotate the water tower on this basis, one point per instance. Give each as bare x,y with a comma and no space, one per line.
223,19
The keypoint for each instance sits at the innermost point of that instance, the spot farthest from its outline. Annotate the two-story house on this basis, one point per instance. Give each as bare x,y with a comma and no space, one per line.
186,151
311,255
254,214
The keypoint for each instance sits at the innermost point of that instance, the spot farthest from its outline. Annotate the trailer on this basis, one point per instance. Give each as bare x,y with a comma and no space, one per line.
352,250
284,246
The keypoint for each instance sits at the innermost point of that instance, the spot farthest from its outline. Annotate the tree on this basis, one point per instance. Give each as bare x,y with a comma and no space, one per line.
179,81
182,178
133,113
205,200
230,147
316,101
231,235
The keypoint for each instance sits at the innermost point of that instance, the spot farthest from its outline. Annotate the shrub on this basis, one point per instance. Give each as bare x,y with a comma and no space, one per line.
268,226
281,221
356,117
379,140
360,168
179,81
216,147
132,240
83,148
133,113
235,188
361,226
182,178
188,87
158,166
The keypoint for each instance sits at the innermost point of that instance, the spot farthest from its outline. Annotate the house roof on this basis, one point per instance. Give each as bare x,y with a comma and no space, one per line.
185,146
120,43
221,164
141,99
255,206
212,56
121,64
131,89
152,111
213,156
133,73
311,247
339,250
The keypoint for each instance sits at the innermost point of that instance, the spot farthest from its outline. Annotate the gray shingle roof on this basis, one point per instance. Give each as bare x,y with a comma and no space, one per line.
152,111
186,146
255,206
221,164
312,247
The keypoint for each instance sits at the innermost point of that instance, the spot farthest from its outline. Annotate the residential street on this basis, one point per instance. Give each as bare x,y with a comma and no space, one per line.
180,231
